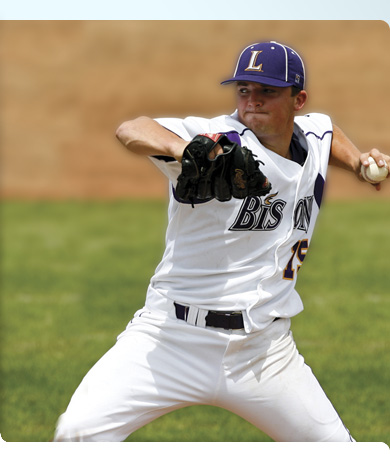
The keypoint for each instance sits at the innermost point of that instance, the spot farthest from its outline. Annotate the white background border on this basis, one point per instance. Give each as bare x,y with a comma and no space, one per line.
199,10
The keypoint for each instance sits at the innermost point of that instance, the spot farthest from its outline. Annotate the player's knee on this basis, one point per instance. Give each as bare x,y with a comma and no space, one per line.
342,435
73,427
68,430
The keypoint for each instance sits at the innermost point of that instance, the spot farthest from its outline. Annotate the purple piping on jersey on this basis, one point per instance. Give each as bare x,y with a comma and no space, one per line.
318,137
234,136
320,182
319,189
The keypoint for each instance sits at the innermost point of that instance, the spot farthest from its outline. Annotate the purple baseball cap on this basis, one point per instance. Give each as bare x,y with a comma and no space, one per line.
270,63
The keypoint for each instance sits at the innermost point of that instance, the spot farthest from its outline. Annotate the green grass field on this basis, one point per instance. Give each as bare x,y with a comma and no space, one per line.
73,273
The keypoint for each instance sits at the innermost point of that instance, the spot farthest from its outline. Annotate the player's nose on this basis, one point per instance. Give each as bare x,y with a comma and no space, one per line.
255,99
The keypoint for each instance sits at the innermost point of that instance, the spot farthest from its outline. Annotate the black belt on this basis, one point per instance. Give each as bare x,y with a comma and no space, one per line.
225,320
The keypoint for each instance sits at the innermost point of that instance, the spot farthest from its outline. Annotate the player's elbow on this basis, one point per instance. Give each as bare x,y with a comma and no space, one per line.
128,133
123,132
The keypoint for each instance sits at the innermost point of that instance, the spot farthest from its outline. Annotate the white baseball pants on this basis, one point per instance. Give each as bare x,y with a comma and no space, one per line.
160,364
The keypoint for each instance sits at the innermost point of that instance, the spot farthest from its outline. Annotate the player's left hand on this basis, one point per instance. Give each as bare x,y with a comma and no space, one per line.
381,160
215,167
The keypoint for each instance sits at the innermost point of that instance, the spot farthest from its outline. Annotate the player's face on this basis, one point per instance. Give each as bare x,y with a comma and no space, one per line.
267,110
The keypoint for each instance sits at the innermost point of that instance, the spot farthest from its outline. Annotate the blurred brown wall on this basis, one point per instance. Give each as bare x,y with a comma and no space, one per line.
67,85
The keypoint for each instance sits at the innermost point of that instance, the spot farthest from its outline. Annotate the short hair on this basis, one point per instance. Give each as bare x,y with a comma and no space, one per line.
294,90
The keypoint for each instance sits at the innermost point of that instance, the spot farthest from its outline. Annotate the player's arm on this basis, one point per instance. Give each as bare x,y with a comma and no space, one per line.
346,155
145,136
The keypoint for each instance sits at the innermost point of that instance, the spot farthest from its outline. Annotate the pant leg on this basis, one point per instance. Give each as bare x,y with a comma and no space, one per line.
116,396
276,391
156,366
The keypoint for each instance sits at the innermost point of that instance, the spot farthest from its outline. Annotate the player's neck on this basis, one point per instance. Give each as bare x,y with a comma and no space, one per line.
280,146
278,141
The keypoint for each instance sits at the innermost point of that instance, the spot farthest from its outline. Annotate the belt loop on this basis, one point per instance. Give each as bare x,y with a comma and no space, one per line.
201,321
200,317
192,315
196,316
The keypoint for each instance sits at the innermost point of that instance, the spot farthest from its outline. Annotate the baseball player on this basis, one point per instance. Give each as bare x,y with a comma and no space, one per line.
215,328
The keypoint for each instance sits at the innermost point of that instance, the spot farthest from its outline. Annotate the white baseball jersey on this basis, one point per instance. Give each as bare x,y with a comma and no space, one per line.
244,255
237,255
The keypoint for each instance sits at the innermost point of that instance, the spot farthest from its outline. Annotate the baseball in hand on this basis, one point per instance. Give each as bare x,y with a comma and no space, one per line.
373,173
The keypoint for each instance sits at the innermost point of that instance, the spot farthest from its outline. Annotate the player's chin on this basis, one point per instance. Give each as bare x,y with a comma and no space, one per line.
260,125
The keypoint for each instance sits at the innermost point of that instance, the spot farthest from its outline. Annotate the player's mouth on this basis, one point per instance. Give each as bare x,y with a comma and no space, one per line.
256,112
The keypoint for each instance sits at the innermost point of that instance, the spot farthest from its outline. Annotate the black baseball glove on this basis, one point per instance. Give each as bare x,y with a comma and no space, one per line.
234,173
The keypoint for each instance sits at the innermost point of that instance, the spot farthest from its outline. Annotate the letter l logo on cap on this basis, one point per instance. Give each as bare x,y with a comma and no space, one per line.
252,67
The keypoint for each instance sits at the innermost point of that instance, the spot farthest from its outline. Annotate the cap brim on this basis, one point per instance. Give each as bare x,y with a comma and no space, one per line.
258,79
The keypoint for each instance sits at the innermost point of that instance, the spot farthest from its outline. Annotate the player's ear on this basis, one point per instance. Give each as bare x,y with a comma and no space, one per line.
300,100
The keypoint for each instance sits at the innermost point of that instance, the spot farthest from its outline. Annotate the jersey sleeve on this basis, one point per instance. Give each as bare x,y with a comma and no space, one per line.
186,129
318,129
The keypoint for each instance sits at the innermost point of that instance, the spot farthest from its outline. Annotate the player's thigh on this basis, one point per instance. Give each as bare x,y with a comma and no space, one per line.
149,372
282,397
121,392
301,410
